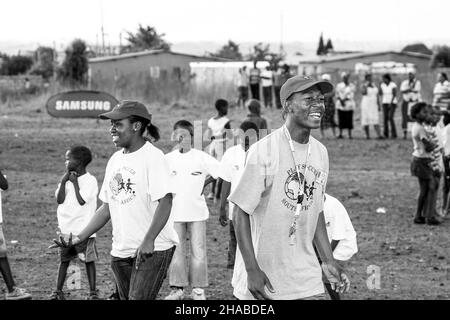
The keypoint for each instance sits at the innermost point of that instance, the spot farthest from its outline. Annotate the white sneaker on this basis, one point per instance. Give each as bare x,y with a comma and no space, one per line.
198,294
18,294
175,294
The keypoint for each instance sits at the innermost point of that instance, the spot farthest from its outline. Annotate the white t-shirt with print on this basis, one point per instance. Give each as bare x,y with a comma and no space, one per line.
339,228
188,172
233,162
267,191
73,217
386,90
133,184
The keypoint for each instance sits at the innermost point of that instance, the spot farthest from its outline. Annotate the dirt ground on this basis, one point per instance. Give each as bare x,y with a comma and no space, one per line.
364,175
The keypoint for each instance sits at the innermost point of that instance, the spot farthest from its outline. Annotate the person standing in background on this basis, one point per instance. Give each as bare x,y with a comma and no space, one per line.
345,104
442,88
242,87
255,79
370,106
388,92
267,83
330,109
280,78
410,89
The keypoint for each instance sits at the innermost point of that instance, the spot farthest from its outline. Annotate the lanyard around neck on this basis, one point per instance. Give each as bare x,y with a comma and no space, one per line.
301,183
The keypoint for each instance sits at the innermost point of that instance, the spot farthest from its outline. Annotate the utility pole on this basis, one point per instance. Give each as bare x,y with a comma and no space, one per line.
102,30
281,34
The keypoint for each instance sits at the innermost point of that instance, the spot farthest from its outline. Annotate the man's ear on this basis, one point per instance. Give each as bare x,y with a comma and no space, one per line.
137,126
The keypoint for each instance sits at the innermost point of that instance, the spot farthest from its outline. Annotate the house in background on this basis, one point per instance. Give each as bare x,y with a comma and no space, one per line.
348,62
158,64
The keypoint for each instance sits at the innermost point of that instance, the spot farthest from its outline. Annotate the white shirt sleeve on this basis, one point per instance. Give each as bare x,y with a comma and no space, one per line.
103,194
159,179
211,165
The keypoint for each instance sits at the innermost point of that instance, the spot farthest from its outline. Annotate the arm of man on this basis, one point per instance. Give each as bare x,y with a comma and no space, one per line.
226,187
329,265
160,218
257,280
394,95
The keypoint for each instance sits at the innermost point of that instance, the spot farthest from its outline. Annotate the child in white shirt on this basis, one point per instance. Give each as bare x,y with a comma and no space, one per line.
340,232
77,201
189,169
217,127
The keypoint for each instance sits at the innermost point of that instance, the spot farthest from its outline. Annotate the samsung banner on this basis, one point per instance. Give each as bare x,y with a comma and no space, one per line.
80,104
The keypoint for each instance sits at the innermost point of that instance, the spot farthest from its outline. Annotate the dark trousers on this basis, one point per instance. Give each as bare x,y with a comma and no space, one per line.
254,88
232,246
277,97
142,283
267,92
388,117
405,116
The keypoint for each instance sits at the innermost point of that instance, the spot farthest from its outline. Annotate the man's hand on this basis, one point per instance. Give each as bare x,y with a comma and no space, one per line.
256,282
73,176
223,219
72,241
145,250
339,281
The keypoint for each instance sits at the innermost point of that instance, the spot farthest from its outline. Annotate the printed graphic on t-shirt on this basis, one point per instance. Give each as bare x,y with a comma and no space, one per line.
122,185
292,187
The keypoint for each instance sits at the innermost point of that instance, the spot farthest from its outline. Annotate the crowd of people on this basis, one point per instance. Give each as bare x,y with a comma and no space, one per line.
288,238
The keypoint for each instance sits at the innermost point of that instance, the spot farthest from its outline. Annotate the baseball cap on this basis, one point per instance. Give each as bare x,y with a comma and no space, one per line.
300,84
125,109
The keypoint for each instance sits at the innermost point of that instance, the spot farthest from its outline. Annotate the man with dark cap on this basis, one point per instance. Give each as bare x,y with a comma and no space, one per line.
278,221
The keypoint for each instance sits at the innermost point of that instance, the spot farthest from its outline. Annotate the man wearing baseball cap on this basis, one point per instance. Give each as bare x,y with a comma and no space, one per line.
279,205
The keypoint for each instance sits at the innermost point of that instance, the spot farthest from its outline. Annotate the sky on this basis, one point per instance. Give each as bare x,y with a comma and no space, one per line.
47,21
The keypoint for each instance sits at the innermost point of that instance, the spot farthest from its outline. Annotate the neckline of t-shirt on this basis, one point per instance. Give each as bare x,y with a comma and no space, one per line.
131,154
300,145
184,153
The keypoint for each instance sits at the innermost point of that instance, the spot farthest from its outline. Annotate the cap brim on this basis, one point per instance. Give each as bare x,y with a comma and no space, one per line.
113,115
324,86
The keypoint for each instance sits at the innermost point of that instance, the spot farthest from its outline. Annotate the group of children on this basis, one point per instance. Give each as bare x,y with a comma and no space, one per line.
191,170
430,161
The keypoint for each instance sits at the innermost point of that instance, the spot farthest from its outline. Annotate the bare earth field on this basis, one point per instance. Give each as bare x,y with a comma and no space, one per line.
364,175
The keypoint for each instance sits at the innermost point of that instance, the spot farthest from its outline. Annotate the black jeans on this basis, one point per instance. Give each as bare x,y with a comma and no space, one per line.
254,88
142,283
267,92
388,116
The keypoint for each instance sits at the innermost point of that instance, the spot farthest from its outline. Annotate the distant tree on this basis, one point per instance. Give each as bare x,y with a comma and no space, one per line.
75,66
229,51
44,62
417,48
441,57
15,65
146,38
329,46
321,47
261,52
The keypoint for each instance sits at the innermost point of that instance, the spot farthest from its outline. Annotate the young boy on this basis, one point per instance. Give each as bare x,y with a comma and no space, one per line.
254,107
341,234
77,201
189,168
232,162
216,127
14,293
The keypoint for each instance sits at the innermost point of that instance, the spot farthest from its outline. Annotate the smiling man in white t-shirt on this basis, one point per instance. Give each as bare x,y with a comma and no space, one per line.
280,205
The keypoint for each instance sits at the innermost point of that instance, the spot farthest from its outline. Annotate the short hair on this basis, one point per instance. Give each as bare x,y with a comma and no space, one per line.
185,125
387,76
82,154
417,108
220,103
444,75
254,106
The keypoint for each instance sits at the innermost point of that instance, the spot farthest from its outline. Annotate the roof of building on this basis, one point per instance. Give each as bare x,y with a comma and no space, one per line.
351,56
150,52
